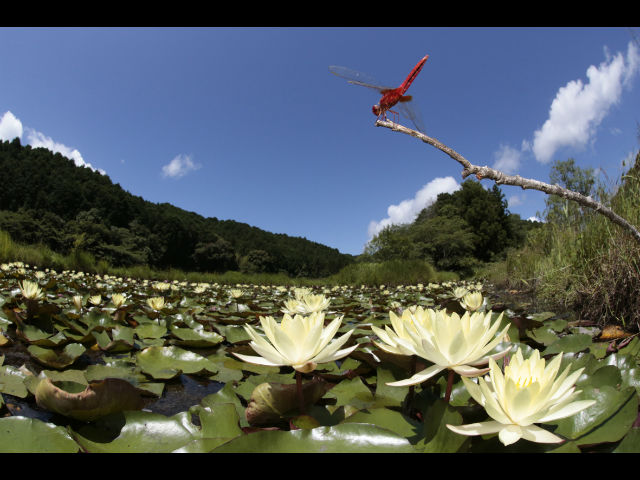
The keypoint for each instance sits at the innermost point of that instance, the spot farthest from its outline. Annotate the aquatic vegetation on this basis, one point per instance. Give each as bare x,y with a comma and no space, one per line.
97,363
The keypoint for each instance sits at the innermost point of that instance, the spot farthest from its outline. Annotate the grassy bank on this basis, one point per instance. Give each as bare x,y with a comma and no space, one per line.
396,272
585,262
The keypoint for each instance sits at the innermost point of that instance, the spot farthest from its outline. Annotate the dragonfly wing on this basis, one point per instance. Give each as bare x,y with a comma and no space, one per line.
408,110
357,78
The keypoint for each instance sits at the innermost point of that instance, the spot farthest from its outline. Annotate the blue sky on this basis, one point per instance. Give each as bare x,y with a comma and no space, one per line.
248,124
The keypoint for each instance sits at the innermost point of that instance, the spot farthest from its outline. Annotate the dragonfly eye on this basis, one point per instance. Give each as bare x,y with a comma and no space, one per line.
376,109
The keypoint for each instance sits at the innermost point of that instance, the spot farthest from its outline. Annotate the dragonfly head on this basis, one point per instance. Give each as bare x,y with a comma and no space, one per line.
376,110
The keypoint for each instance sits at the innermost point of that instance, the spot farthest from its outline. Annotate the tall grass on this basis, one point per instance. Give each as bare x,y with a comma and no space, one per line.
589,265
393,272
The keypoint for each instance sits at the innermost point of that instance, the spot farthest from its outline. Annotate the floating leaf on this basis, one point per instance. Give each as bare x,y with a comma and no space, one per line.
438,438
12,381
630,443
570,343
196,337
544,335
56,358
30,435
608,420
98,399
169,362
137,432
150,330
389,419
344,438
351,393
271,402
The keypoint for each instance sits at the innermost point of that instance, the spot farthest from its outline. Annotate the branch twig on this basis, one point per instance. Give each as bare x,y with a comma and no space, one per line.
516,180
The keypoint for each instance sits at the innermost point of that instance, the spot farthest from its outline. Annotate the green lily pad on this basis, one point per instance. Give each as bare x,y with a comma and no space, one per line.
628,367
122,340
387,395
352,393
30,435
233,333
630,443
544,335
608,420
57,358
196,337
575,342
169,362
343,438
150,330
12,381
75,376
137,432
219,424
438,438
389,419
36,336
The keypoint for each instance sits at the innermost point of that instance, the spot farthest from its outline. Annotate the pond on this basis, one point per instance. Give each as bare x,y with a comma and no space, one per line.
175,360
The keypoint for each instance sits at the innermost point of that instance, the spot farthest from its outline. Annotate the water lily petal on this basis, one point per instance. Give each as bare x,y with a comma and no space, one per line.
257,360
468,371
566,410
533,433
479,428
419,377
510,434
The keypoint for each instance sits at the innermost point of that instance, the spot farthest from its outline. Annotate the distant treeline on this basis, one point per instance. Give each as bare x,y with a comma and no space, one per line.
46,199
459,232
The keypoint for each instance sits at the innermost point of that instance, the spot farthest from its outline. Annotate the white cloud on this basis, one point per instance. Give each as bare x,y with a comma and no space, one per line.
407,210
534,219
578,108
38,139
507,159
179,166
515,200
10,127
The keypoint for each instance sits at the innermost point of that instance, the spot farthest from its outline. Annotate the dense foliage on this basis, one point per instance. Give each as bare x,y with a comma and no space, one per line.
578,259
458,232
46,199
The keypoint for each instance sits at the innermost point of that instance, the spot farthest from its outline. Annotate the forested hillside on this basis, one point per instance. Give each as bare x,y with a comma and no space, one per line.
46,199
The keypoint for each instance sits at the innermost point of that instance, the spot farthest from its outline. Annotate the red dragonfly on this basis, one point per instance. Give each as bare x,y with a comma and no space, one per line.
390,96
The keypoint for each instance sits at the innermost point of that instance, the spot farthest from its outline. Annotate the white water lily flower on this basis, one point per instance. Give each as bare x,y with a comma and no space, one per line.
529,392
299,341
459,343
472,301
95,299
118,299
306,304
291,307
77,301
460,292
31,290
314,303
156,303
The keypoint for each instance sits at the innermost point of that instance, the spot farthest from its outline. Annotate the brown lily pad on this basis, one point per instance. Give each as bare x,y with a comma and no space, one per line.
98,399
271,402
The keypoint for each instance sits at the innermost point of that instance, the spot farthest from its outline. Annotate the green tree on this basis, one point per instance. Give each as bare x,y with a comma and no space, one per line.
569,175
214,256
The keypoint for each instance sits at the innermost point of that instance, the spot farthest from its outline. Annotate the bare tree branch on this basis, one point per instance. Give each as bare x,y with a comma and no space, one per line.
525,183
